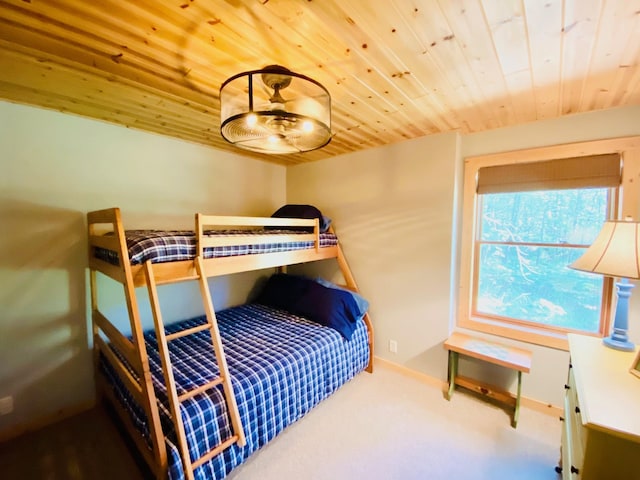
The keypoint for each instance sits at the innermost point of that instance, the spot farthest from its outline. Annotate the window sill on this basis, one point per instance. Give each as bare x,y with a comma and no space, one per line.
536,336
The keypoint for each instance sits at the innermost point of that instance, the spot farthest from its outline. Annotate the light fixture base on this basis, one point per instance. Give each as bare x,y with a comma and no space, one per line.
624,345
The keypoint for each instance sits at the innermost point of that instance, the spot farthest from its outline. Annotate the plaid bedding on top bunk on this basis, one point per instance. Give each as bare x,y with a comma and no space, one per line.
281,366
174,245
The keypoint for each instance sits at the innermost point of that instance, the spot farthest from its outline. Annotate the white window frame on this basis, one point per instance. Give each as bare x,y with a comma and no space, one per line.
541,335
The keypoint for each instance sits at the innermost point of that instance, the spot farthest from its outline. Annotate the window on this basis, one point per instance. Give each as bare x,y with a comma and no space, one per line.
525,242
524,223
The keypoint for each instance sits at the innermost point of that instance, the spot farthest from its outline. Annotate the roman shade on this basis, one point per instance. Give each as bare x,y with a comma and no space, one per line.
576,172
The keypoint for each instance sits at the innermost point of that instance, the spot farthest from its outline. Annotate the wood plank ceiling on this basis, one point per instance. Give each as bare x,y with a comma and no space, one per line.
396,69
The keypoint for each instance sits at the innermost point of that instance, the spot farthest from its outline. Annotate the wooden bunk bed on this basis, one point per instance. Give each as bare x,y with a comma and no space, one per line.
127,366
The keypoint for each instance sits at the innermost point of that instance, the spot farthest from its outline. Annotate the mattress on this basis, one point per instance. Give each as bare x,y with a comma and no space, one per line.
281,366
174,245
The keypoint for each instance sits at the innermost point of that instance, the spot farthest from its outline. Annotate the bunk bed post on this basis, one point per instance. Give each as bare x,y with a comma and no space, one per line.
351,283
151,408
199,232
95,330
112,216
316,232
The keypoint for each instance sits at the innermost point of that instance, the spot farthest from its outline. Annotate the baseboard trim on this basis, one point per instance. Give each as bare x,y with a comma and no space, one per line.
442,385
422,377
21,429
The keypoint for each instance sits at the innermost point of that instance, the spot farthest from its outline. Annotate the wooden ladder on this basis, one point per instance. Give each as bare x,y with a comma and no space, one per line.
174,399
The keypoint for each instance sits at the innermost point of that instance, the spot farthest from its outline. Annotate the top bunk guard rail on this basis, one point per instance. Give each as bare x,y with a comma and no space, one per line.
184,270
211,222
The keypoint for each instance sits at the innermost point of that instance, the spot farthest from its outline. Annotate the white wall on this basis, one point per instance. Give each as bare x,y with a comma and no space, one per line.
396,210
612,123
392,208
55,168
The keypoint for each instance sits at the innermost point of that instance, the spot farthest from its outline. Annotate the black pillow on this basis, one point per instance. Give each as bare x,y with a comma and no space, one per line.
302,211
305,297
282,291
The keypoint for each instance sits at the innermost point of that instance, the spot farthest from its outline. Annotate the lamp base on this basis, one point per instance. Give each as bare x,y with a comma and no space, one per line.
624,345
619,338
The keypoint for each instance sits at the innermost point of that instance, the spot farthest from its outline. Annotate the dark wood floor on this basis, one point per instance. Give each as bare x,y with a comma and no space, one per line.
86,446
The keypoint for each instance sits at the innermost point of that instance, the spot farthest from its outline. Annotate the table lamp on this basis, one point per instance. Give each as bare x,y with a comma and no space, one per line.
616,253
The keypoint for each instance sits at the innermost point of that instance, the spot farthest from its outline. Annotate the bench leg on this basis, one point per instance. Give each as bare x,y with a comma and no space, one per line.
516,412
453,371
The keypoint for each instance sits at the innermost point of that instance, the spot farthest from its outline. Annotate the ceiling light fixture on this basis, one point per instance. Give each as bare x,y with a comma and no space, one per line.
274,110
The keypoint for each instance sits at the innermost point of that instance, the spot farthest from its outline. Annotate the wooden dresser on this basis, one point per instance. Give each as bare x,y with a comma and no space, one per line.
601,430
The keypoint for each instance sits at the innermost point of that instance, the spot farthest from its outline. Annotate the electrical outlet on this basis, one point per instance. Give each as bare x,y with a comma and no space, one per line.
6,405
393,346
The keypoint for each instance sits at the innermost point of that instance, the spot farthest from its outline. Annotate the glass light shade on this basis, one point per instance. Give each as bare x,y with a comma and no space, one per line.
274,110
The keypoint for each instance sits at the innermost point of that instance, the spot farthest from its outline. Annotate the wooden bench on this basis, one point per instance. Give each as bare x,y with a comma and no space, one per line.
510,357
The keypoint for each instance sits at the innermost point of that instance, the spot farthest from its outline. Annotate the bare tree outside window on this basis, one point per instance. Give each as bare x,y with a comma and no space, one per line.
525,242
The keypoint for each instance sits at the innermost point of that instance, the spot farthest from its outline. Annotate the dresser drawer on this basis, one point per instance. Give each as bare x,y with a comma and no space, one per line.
565,459
573,412
572,449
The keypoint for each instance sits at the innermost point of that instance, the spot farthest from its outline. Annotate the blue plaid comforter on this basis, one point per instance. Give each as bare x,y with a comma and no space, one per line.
175,245
281,366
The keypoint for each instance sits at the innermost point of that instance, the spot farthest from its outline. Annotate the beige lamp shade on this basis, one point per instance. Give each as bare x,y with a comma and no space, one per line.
615,252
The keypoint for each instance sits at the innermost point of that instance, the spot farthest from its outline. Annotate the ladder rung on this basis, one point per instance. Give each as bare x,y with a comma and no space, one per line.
188,331
200,389
208,456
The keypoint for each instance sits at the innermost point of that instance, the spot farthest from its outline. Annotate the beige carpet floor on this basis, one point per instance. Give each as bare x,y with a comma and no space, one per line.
384,426
388,426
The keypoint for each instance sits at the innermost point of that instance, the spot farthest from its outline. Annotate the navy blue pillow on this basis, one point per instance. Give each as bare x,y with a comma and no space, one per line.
305,297
361,302
282,291
329,307
303,211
